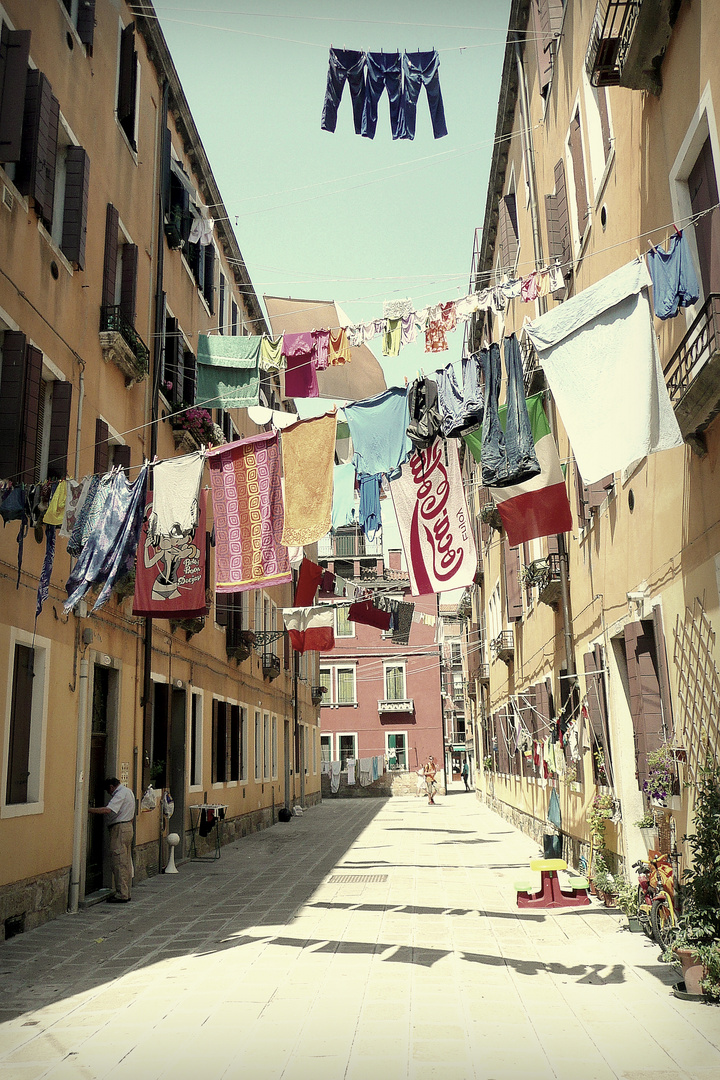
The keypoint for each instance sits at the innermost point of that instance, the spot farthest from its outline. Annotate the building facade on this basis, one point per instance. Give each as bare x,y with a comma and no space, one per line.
102,297
382,698
606,138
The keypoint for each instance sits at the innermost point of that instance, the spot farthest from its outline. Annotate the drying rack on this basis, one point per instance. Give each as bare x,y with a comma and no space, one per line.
195,823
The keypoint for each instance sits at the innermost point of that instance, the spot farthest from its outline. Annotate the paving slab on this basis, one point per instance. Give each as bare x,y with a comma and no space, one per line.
366,940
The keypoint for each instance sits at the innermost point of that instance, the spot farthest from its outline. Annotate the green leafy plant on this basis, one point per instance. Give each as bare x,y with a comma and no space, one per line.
600,769
661,773
647,821
488,763
626,896
698,926
600,811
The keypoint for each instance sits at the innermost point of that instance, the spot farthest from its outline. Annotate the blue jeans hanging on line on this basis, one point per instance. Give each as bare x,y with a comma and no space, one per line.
384,70
421,69
507,457
345,65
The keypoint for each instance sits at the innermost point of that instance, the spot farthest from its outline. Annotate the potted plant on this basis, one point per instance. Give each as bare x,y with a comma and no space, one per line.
662,777
600,770
695,941
601,809
488,763
626,898
648,829
193,425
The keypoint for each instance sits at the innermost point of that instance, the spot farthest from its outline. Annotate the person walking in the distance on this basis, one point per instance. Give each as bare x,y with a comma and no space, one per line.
465,773
430,773
122,810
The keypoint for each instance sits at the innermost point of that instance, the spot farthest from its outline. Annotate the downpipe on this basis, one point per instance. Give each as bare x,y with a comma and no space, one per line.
81,800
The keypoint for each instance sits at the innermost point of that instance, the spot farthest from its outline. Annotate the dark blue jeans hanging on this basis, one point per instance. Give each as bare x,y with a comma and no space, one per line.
507,457
345,65
421,69
384,70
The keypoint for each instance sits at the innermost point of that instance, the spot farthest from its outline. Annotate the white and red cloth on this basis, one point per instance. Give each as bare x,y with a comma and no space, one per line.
311,629
433,520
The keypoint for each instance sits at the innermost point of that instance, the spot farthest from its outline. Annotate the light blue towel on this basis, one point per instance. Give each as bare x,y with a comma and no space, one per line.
343,504
378,427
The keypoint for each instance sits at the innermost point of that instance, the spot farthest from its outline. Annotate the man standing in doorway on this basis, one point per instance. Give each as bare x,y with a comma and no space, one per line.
122,810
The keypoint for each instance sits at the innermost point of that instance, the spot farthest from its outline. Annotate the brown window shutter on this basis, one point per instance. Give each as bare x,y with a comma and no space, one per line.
552,545
176,394
112,227
526,562
20,725
14,54
604,121
59,430
77,181
578,163
221,759
484,497
564,249
214,742
663,673
234,743
221,300
581,491
597,492
553,228
170,371
222,608
121,457
189,388
30,414
86,24
208,557
513,594
128,282
35,175
208,287
507,232
127,82
644,683
286,651
11,402
233,319
102,452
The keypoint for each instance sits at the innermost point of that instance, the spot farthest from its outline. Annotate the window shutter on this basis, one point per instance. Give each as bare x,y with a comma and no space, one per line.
507,231
121,457
197,264
233,767
35,175
663,673
166,170
563,247
597,493
112,227
77,180
14,54
20,726
595,689
170,370
30,414
128,282
221,311
221,745
127,82
583,510
233,318
604,121
214,746
189,390
102,432
513,594
59,430
11,402
222,608
209,280
578,164
86,24
644,693
547,19
208,555
286,651
176,394
552,545
484,497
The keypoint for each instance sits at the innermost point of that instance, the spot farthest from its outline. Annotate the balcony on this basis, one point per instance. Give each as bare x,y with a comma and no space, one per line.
483,673
627,43
396,705
693,375
316,693
545,575
270,665
238,643
123,346
503,646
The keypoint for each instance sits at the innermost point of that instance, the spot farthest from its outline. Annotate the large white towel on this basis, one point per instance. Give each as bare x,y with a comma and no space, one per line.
334,776
176,488
600,357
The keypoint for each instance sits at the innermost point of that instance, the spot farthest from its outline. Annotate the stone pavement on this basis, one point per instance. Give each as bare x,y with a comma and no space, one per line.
366,940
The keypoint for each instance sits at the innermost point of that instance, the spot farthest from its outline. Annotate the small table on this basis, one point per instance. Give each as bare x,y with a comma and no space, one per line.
195,822
550,894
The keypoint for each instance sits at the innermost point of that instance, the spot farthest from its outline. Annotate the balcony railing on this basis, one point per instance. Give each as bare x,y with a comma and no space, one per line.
503,646
122,344
627,43
610,37
483,673
693,372
396,705
270,665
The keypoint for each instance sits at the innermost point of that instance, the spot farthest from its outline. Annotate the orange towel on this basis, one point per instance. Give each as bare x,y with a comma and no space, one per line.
339,347
308,450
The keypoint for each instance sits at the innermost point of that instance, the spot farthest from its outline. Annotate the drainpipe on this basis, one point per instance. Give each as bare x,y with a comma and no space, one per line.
81,805
78,434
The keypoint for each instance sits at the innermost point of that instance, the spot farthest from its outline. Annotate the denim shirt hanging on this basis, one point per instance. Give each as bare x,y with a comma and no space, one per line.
508,457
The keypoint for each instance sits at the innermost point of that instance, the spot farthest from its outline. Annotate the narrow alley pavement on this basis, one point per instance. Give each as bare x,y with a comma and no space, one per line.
368,940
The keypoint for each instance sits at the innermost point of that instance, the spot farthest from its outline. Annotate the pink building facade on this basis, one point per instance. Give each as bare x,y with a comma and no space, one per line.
381,698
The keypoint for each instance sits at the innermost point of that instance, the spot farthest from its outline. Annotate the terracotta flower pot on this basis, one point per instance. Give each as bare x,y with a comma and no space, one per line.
609,899
692,970
593,888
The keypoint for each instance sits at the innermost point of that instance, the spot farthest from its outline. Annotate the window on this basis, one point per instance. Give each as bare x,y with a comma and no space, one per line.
347,748
221,304
266,746
243,744
394,682
196,710
455,652
508,245
343,626
396,749
325,678
547,23
267,621
457,686
233,318
229,742
305,747
346,686
120,263
234,744
314,752
82,16
599,134
25,724
274,759
128,80
258,745
258,623
578,188
326,747
179,378
219,772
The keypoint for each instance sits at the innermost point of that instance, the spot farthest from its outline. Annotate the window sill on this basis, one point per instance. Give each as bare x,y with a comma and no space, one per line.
22,809
121,129
195,787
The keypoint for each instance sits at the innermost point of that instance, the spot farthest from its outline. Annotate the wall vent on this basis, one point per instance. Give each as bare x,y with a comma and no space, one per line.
8,199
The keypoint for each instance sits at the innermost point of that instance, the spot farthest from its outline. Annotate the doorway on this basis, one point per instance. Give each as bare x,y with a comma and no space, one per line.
103,752
287,751
176,764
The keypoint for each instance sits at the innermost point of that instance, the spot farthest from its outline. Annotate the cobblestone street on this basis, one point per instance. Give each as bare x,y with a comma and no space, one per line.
370,939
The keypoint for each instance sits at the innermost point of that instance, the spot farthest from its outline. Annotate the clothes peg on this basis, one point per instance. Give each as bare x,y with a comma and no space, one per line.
652,246
406,379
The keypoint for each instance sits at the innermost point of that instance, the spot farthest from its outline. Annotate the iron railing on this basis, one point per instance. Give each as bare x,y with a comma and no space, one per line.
700,343
396,705
503,644
113,319
610,37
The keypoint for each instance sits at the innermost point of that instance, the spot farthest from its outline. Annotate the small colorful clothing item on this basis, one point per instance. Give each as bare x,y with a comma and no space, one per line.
529,289
339,348
409,329
271,354
448,317
466,308
392,338
544,283
77,491
300,374
322,345
435,340
56,510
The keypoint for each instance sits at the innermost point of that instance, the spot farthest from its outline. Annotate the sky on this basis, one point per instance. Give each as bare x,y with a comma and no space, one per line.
337,216
334,216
